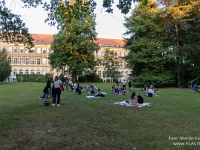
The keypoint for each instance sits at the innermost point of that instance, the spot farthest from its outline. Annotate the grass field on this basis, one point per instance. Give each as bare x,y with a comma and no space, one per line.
97,124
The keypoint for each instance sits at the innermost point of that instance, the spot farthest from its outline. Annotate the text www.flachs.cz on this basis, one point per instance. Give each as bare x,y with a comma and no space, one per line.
186,143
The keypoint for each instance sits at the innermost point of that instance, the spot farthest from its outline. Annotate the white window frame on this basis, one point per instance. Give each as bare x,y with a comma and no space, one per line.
21,60
26,71
14,60
20,71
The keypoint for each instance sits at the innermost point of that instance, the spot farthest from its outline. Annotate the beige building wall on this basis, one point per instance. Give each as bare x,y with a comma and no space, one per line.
37,62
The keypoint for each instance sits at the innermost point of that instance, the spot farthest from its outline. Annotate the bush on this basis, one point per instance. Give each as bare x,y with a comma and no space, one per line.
92,77
30,78
158,80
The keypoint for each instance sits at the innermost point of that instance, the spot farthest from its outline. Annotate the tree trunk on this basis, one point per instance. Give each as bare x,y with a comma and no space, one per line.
74,77
178,58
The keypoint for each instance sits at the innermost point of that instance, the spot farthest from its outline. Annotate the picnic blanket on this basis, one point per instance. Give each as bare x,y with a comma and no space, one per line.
93,96
124,103
101,93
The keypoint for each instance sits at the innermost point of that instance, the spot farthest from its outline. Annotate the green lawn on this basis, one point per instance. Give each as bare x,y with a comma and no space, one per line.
97,124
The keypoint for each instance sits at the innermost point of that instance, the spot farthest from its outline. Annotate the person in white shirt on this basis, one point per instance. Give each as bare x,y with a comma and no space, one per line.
124,85
150,93
57,91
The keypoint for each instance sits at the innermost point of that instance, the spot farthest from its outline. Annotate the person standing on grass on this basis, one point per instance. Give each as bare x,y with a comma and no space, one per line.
48,88
57,91
129,85
124,85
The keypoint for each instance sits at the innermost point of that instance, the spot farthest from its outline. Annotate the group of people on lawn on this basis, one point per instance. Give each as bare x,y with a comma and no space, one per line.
55,91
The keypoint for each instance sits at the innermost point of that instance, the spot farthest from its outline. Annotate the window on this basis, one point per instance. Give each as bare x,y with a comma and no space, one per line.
10,49
99,73
26,71
102,53
15,61
38,61
27,50
21,49
15,49
20,71
38,71
14,72
27,61
44,50
122,73
122,64
107,45
32,72
32,60
21,61
3,47
121,54
32,50
38,50
9,59
126,73
44,61
99,53
126,54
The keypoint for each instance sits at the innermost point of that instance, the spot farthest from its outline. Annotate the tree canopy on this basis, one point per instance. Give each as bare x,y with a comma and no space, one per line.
75,44
164,41
5,68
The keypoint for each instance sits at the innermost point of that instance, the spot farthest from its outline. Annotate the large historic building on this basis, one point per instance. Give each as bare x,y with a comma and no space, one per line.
37,62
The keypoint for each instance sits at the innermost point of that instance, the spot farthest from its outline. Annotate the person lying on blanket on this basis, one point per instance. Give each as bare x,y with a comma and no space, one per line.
99,93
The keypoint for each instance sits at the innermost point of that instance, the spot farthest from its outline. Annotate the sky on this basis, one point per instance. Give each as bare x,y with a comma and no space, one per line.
108,25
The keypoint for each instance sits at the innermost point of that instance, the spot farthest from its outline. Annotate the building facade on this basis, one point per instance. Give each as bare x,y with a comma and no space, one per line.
36,62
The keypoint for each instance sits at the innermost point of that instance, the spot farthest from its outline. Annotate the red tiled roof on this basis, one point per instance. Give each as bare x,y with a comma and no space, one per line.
48,38
111,42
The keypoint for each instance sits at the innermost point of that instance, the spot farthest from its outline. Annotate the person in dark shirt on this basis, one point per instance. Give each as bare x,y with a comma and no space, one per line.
140,99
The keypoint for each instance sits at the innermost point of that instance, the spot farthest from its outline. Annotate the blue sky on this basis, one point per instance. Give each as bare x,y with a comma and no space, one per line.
108,25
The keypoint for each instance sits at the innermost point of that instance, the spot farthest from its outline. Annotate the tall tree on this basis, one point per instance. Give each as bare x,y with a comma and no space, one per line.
75,44
144,27
177,15
111,64
5,68
12,28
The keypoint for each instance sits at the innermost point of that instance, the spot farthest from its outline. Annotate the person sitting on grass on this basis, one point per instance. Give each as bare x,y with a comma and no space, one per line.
133,100
117,92
113,88
99,93
140,99
195,88
92,91
150,93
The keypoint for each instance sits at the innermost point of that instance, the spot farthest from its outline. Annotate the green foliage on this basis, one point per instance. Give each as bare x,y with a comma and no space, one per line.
111,64
91,77
145,43
74,45
5,68
158,80
61,77
30,78
13,29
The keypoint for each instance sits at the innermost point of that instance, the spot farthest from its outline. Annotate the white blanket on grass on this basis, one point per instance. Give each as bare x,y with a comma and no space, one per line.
124,103
101,93
93,96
